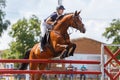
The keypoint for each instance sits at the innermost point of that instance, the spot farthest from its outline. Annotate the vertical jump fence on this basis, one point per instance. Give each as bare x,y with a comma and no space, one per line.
48,71
103,64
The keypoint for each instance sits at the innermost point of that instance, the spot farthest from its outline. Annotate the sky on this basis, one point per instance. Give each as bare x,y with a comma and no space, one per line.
96,15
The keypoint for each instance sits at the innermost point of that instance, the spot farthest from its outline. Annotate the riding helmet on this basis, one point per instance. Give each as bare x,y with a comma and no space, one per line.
60,7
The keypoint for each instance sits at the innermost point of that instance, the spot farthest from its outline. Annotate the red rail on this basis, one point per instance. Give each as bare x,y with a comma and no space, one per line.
47,61
47,72
7,75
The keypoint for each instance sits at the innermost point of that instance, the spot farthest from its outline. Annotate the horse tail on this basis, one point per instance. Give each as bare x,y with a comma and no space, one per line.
23,66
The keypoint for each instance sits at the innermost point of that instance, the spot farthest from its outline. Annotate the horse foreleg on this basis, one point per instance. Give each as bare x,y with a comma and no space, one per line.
71,50
64,54
62,46
68,51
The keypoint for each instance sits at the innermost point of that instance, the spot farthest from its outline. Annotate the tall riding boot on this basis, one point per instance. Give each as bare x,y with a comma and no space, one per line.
42,44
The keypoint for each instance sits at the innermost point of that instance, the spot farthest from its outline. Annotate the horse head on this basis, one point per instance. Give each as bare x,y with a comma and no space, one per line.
76,22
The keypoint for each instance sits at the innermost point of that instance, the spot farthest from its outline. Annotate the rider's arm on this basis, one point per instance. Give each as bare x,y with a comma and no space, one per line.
49,21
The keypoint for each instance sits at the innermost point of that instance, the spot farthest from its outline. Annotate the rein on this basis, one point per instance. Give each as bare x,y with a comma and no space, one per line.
74,21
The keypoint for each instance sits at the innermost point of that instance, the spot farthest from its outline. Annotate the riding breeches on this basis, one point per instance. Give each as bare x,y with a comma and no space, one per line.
44,27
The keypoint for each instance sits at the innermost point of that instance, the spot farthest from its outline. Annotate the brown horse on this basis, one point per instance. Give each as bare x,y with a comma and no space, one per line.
58,44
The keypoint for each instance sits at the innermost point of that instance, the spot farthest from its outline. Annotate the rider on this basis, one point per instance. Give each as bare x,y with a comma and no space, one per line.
49,23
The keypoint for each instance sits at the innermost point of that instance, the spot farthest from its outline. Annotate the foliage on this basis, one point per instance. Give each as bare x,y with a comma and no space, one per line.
113,32
6,55
3,23
25,33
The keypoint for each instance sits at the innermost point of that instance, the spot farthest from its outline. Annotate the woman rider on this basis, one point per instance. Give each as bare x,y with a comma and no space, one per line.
49,22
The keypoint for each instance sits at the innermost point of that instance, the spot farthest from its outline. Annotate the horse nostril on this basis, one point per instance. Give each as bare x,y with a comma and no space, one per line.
84,30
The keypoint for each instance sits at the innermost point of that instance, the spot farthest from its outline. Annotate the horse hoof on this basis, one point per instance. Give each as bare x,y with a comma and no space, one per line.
62,57
71,54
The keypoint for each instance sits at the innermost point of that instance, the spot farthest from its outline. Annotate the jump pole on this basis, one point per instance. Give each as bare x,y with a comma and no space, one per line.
102,62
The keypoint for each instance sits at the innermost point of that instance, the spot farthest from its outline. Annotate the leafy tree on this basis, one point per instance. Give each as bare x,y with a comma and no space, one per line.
25,33
113,32
6,54
3,23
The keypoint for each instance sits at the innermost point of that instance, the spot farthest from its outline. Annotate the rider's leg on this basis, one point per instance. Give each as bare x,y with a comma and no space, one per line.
42,43
43,31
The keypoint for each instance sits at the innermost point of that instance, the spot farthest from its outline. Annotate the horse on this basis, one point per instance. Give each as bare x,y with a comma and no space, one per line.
59,43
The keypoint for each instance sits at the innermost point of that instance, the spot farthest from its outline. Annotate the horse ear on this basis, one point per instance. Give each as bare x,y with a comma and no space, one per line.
79,12
75,13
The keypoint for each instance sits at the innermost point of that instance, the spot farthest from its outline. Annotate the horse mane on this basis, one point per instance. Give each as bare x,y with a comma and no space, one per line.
68,13
59,18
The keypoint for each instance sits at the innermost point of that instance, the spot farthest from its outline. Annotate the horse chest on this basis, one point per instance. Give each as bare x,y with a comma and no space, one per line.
63,39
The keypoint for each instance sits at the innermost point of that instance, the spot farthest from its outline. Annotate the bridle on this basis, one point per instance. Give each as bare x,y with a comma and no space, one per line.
75,22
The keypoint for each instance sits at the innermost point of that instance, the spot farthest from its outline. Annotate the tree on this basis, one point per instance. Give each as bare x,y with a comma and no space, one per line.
113,32
6,54
25,33
3,23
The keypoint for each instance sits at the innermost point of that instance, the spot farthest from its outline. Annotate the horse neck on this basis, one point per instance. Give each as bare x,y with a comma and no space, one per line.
62,26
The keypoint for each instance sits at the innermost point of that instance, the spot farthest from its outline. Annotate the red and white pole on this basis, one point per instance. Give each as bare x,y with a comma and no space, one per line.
102,62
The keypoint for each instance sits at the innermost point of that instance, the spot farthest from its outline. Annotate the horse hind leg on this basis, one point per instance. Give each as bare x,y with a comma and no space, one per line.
33,66
41,67
37,67
23,66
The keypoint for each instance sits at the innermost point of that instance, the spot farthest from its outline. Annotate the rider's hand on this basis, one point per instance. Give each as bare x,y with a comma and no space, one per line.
53,23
